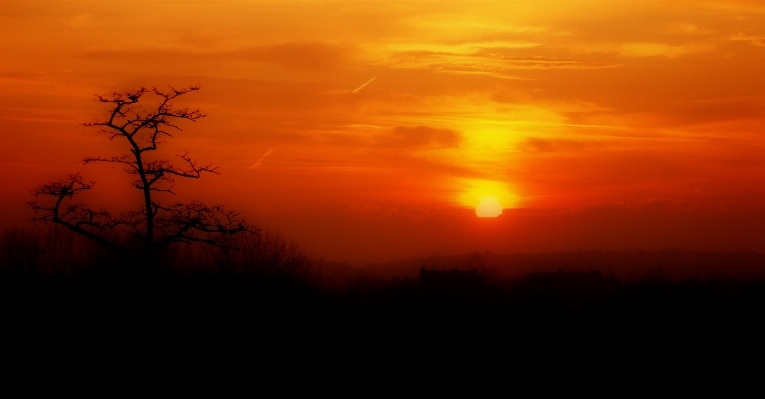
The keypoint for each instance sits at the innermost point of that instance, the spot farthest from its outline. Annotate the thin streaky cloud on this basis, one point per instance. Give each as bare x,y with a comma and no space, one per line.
362,86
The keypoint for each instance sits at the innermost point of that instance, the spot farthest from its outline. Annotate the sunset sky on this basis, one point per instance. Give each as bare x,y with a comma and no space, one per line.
371,130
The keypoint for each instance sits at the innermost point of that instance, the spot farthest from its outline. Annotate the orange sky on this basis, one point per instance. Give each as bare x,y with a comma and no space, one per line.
369,130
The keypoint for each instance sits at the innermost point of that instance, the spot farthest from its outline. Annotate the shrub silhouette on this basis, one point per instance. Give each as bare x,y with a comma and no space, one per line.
35,254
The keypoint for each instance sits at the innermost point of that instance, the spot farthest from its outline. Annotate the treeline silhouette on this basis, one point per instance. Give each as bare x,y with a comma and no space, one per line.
51,278
628,266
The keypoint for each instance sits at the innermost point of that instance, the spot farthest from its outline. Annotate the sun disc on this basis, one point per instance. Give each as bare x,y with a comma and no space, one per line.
489,207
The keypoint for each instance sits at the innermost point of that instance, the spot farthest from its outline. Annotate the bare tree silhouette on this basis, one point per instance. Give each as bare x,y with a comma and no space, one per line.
155,225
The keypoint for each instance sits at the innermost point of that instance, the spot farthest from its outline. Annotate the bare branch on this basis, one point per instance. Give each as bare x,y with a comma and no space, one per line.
197,222
141,126
123,159
194,171
76,217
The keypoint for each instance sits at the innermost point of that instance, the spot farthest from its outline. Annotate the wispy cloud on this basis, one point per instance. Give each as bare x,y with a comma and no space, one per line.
679,28
536,144
743,37
419,136
489,63
300,55
660,50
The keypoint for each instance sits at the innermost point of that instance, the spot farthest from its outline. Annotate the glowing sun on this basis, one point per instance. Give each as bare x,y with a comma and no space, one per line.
489,207
488,197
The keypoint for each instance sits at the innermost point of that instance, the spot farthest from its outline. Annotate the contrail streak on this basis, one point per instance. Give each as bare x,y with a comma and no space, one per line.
260,160
362,86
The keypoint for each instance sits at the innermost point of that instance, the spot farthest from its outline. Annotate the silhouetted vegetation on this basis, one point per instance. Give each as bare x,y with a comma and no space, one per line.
625,265
142,125
58,254
54,279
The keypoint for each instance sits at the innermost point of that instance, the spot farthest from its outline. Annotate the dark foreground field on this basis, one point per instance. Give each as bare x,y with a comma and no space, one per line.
175,306
289,303
210,321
